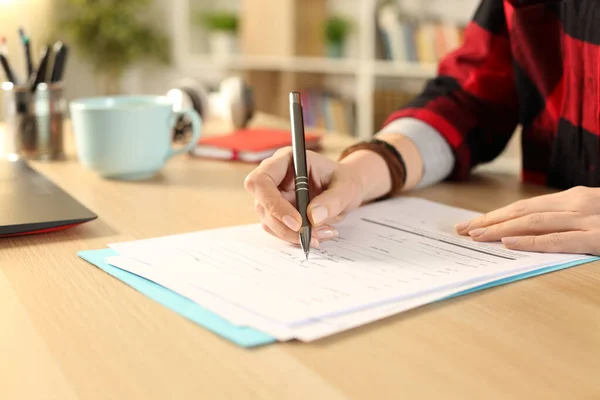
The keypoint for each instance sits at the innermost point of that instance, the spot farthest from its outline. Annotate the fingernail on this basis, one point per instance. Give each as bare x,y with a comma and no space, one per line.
477,232
319,214
324,234
462,226
291,223
510,240
314,243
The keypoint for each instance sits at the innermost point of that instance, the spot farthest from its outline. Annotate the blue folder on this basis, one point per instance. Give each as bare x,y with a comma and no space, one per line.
243,336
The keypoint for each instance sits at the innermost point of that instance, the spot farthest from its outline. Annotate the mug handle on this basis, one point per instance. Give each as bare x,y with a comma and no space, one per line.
196,130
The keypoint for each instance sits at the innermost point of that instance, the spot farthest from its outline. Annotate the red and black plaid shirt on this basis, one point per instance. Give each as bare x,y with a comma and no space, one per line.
530,62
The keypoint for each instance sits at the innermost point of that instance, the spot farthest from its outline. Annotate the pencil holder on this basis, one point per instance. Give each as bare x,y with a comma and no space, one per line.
33,122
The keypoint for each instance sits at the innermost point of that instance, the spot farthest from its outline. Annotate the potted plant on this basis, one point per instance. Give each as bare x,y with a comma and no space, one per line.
112,35
336,32
222,27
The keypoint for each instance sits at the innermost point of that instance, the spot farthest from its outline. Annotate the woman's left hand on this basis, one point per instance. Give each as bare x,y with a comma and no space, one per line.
564,222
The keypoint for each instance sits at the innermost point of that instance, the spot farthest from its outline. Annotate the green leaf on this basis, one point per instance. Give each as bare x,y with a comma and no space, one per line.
336,29
218,21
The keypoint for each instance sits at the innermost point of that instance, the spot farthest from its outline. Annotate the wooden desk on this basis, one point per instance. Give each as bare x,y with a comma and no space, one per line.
70,331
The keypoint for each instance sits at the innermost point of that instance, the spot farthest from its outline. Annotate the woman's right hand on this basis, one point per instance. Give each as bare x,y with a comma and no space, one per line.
333,188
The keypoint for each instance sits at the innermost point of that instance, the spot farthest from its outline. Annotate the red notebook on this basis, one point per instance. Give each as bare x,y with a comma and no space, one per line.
250,145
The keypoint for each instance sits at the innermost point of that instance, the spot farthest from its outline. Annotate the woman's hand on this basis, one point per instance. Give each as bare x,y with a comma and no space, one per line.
333,189
564,222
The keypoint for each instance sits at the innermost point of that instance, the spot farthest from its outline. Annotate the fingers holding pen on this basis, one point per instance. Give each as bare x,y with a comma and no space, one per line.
330,206
286,230
263,186
275,202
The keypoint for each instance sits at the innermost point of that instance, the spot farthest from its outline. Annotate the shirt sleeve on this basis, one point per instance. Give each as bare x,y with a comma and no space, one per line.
472,103
437,156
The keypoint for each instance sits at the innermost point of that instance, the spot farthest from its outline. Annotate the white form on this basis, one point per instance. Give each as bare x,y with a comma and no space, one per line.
311,330
390,256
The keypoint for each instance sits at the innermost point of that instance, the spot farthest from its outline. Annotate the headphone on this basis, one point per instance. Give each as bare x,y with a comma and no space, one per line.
233,102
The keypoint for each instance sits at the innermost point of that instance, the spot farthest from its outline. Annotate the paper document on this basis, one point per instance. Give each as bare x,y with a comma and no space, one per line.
390,257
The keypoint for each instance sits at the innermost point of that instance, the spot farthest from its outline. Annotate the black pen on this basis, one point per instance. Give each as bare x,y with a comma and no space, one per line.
40,75
60,57
27,47
10,75
300,170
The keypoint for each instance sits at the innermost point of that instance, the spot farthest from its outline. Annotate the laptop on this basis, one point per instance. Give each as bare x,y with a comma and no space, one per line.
30,203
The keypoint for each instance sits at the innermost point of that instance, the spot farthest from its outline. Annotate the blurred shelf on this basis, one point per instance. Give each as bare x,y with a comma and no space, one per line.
381,68
266,63
361,75
396,69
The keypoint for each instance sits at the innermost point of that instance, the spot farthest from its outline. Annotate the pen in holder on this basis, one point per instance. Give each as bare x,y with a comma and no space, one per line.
34,121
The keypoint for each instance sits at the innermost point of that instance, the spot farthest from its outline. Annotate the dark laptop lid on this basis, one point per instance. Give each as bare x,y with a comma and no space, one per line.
30,203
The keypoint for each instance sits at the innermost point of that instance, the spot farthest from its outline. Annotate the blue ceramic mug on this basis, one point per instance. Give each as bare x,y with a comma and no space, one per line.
128,137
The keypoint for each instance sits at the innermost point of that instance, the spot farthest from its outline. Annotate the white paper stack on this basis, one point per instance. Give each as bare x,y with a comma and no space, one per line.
390,257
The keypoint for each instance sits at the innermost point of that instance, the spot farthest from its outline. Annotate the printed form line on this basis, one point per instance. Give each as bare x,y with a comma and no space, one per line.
438,240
